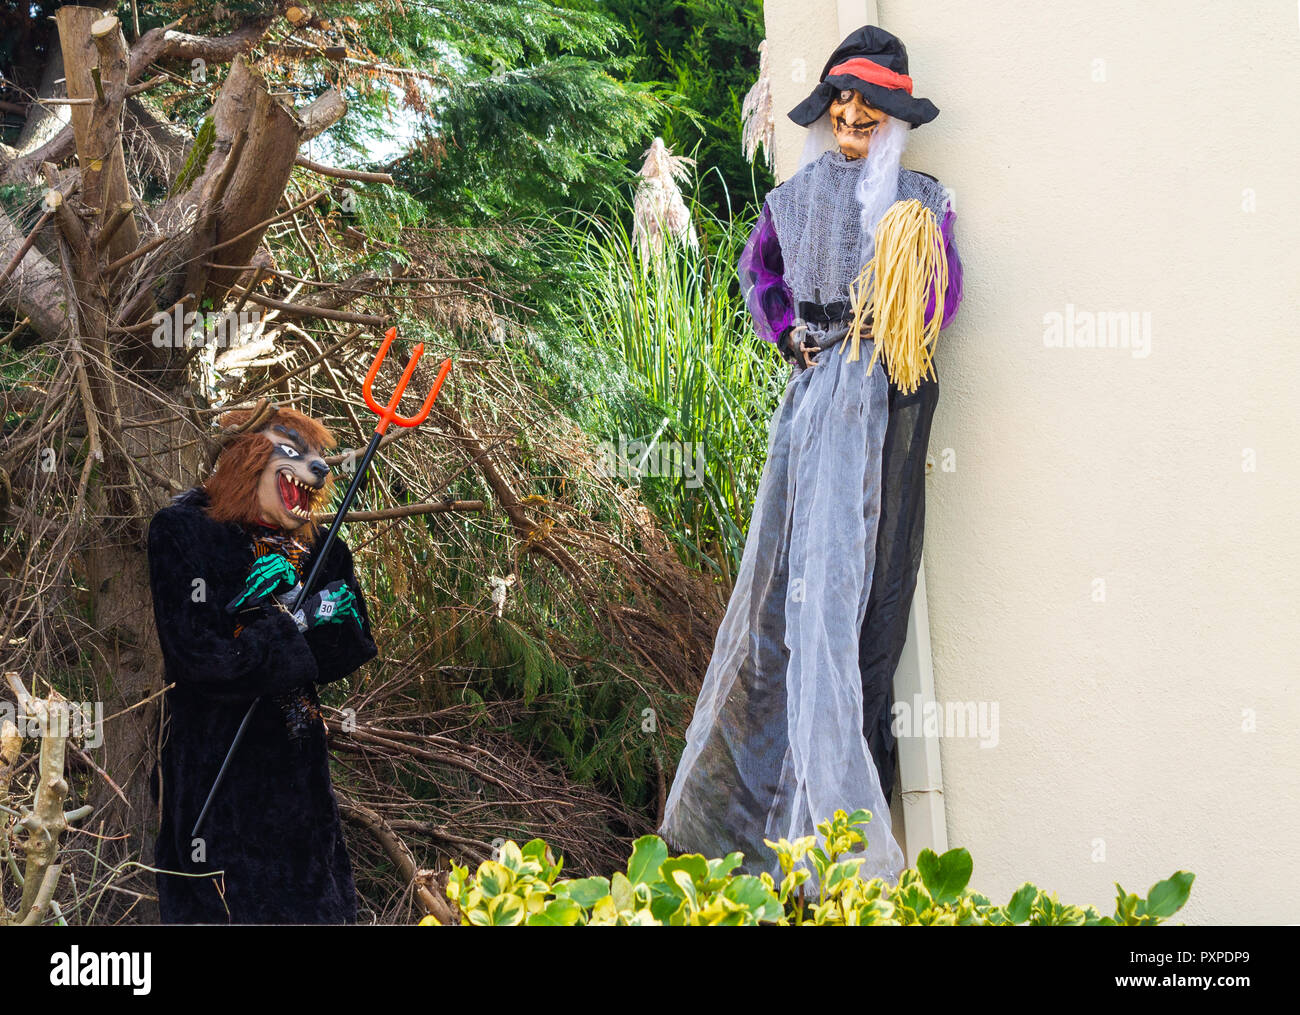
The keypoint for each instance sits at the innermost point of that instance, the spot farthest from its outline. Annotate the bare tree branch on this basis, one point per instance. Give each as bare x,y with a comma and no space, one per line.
308,311
400,854
33,287
342,174
323,113
406,511
165,43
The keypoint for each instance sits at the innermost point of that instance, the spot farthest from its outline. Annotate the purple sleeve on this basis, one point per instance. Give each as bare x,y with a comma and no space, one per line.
952,297
761,271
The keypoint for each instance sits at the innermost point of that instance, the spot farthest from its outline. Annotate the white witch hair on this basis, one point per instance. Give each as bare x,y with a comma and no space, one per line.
878,188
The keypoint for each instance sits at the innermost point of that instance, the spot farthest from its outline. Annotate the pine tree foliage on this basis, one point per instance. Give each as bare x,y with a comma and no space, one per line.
521,140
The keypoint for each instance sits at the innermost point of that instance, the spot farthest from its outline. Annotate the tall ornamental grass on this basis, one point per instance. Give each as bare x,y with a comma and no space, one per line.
672,363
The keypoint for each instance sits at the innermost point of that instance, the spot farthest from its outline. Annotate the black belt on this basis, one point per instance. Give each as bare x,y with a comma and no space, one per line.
825,314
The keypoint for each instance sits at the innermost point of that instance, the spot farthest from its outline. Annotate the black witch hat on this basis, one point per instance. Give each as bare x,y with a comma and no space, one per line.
873,63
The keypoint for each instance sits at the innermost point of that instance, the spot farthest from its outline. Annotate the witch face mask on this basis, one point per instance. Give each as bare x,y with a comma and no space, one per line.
854,123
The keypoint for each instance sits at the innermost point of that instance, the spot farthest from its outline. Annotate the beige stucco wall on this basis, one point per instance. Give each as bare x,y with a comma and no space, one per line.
1136,159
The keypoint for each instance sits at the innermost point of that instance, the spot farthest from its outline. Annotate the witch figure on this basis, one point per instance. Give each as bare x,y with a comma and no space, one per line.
850,271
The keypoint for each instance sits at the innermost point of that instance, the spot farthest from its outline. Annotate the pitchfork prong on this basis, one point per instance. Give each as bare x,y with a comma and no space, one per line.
388,413
423,414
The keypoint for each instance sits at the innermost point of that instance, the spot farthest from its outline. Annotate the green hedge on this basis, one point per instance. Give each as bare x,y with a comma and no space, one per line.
523,887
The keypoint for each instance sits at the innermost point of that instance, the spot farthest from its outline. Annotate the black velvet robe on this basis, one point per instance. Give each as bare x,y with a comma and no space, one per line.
273,828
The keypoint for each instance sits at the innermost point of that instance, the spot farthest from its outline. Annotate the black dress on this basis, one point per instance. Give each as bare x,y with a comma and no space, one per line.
273,829
899,540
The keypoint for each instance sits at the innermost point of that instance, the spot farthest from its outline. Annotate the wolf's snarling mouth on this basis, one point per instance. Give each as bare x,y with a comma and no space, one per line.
295,495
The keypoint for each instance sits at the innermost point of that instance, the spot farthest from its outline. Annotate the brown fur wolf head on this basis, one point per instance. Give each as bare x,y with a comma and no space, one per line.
274,476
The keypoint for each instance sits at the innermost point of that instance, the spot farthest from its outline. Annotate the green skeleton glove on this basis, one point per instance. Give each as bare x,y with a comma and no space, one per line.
269,574
331,605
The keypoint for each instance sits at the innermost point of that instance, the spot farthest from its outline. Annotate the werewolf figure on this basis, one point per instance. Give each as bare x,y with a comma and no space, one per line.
225,560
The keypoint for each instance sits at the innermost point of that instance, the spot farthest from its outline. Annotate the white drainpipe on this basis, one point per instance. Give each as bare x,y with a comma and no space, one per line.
850,15
920,777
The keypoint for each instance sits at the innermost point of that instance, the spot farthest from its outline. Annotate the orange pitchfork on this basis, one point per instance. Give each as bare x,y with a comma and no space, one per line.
387,414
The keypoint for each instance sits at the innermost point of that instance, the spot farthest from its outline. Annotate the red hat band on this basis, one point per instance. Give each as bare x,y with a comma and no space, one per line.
873,73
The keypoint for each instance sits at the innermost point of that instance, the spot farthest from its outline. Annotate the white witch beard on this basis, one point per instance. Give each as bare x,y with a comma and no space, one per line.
821,138
878,188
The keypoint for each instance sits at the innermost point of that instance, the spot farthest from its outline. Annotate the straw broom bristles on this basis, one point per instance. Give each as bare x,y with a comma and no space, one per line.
893,288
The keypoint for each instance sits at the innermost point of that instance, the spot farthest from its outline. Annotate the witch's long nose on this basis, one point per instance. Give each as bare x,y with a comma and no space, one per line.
856,116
